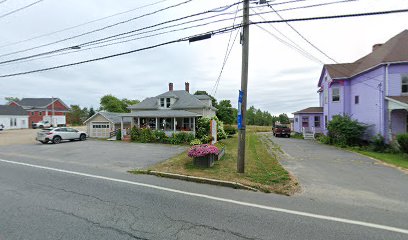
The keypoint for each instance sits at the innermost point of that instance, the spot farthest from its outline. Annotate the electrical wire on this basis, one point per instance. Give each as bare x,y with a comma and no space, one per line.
80,25
20,9
302,36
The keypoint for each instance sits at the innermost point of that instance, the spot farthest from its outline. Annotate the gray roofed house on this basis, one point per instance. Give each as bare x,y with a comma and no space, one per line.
171,111
13,117
38,103
105,124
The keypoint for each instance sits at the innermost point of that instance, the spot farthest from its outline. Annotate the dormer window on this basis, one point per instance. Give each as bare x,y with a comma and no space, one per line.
167,102
162,102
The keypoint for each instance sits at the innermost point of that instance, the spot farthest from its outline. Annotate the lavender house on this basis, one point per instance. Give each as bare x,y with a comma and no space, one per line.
373,90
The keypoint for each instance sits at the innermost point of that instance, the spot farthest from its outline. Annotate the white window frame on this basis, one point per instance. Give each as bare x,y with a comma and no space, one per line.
162,102
337,95
168,102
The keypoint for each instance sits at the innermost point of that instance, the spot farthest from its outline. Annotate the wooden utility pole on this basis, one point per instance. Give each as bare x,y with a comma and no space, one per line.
244,85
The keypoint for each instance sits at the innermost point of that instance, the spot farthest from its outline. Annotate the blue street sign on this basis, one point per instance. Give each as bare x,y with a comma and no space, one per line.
239,118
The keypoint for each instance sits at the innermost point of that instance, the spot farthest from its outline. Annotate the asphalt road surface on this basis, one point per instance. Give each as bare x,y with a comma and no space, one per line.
49,199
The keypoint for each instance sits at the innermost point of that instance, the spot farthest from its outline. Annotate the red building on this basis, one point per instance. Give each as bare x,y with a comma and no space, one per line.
37,108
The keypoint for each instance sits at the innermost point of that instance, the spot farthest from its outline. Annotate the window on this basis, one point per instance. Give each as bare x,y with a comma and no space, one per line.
404,83
296,119
356,99
317,121
13,122
335,94
162,102
325,97
167,102
325,121
186,124
305,121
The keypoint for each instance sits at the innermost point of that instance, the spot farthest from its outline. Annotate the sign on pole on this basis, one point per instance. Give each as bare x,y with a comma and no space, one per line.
239,118
213,130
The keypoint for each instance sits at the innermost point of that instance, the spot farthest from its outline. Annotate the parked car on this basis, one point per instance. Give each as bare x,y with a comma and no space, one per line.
56,135
41,124
281,130
49,121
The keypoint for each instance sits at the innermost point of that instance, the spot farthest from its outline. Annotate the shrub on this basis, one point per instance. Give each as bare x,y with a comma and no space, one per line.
119,135
343,131
378,143
135,134
230,130
297,135
160,136
324,139
195,142
202,150
203,129
403,142
181,137
146,135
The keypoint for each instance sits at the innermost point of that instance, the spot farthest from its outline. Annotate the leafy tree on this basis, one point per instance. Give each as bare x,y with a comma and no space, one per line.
11,99
77,116
225,112
213,100
283,118
111,103
91,112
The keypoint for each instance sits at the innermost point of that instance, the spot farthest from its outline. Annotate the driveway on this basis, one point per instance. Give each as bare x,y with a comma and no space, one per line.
110,155
329,173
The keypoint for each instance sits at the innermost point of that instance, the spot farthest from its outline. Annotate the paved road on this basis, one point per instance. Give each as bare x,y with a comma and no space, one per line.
117,156
55,201
326,172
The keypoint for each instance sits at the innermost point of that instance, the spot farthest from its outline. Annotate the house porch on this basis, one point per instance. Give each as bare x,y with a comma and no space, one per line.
397,114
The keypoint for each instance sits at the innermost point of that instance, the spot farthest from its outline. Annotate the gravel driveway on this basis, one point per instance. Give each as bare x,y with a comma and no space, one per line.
327,172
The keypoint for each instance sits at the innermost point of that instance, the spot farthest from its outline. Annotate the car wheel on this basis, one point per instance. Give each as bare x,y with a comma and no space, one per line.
82,137
44,142
56,139
40,126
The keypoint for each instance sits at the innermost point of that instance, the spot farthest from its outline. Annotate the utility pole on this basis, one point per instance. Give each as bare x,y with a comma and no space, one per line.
52,113
244,85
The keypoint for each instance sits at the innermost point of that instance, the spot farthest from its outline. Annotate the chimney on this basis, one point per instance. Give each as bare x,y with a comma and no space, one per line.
375,46
171,86
187,86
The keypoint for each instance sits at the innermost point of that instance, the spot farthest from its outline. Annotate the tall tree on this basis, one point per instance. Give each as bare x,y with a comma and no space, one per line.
225,112
77,115
111,103
213,100
283,118
11,99
91,112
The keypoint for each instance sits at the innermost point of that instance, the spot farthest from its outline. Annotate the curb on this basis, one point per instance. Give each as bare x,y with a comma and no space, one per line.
223,183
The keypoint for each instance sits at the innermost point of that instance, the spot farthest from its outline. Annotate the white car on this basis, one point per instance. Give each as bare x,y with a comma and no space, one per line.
56,135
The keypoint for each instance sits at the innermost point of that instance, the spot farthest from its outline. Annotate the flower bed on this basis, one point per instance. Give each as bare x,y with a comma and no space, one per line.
203,155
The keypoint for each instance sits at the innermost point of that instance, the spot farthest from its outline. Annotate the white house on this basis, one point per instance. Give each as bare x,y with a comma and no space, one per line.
13,117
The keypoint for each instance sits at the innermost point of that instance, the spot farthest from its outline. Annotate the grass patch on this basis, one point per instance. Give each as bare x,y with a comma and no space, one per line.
396,159
254,128
263,171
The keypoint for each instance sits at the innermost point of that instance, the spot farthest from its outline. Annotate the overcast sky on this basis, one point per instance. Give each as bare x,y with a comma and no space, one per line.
280,78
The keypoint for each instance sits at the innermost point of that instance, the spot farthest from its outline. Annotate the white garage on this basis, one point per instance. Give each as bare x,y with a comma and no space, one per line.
13,117
102,124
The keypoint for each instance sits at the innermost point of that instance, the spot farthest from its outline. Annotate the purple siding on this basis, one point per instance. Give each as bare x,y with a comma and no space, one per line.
399,121
394,79
297,126
336,108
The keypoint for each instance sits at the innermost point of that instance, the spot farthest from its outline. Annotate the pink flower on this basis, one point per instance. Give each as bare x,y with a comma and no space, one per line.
202,150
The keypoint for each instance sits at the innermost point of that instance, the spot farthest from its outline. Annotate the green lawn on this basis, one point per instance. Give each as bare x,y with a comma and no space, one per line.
263,171
397,159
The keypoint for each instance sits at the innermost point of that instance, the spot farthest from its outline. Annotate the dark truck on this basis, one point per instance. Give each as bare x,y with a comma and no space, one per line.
281,131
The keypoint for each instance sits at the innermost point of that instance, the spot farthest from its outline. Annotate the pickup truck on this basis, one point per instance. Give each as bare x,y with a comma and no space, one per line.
281,130
48,121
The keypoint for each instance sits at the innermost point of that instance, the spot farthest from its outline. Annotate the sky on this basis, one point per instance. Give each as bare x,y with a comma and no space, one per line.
281,78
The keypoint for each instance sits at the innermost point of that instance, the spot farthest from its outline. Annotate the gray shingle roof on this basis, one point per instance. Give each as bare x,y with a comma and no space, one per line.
12,110
115,117
162,113
35,102
184,100
203,97
394,50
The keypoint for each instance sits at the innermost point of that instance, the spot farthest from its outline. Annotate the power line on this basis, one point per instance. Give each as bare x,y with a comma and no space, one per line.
100,29
19,9
212,33
302,36
3,1
152,26
215,32
80,25
227,51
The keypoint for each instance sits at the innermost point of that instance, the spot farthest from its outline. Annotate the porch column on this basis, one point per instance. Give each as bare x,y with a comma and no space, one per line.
194,131
390,125
121,127
174,125
132,123
157,124
138,122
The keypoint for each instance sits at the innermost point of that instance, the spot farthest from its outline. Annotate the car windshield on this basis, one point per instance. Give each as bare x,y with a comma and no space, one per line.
46,129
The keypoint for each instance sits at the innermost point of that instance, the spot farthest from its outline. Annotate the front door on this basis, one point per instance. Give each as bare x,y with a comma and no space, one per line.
305,122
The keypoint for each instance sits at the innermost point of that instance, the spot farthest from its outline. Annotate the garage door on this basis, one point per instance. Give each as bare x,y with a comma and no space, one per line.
100,129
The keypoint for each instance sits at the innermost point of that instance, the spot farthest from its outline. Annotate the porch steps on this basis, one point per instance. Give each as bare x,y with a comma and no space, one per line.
308,136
